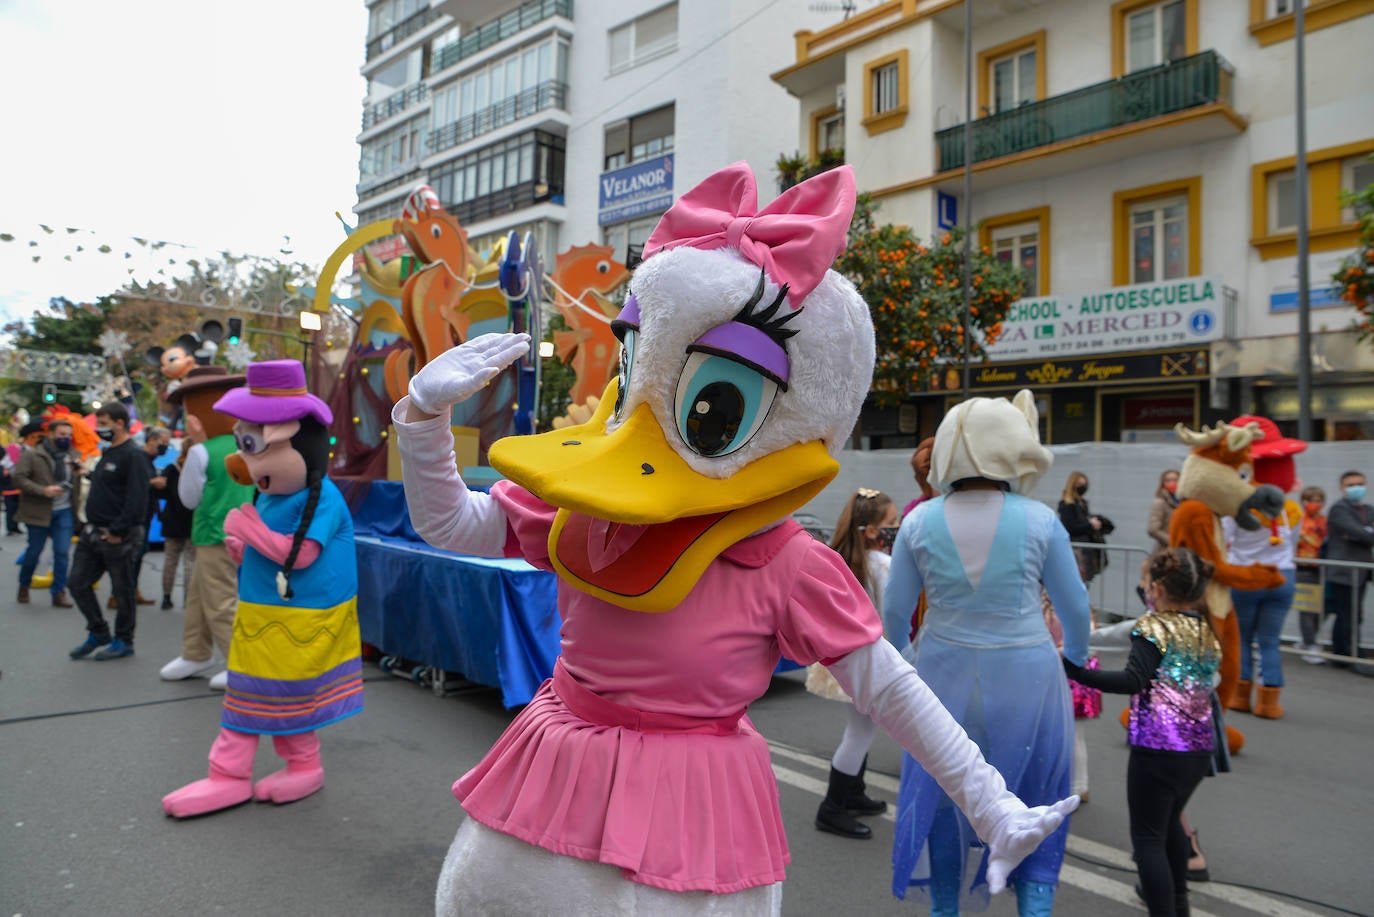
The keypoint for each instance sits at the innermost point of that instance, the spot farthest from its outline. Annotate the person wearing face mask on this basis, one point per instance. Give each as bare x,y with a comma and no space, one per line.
1308,593
863,537
109,541
46,495
155,445
1162,509
1350,536
1084,525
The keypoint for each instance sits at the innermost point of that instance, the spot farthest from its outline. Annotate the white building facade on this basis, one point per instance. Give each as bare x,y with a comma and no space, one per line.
580,122
1136,158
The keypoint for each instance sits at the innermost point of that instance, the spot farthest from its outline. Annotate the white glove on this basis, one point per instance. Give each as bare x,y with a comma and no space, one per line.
890,692
459,372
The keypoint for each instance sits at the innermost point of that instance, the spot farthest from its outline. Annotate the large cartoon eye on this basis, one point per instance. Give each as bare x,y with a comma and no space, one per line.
627,360
436,231
720,403
1246,472
603,267
249,439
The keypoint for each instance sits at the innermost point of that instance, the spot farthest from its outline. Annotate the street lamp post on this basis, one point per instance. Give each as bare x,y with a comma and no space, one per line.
1300,199
968,185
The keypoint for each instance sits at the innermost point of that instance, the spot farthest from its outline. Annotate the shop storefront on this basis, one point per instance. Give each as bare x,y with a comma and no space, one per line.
1260,377
1123,364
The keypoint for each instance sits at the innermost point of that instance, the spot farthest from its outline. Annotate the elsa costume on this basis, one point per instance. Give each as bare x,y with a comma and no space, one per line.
981,556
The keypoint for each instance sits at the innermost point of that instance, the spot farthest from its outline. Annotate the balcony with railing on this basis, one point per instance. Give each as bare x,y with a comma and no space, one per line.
394,104
488,34
1168,93
546,95
401,31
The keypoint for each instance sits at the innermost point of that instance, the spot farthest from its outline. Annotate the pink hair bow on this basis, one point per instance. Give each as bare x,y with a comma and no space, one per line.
794,239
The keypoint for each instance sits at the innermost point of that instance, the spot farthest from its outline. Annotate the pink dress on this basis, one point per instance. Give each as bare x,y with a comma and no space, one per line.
637,752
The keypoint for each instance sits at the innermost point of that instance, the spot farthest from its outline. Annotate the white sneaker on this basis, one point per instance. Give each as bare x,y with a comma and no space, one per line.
220,682
180,668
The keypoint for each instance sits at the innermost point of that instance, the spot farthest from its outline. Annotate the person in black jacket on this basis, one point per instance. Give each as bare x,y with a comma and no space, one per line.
176,531
1083,525
115,512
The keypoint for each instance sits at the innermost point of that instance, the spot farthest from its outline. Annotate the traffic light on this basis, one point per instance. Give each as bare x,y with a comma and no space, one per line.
235,330
49,393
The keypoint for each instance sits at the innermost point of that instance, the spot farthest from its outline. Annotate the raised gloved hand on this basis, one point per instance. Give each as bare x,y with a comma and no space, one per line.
460,372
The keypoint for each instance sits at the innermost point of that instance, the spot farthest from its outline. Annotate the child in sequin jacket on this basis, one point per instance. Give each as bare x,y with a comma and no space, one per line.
1174,656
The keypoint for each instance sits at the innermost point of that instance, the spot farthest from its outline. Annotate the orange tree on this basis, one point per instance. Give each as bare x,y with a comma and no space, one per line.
1355,279
914,291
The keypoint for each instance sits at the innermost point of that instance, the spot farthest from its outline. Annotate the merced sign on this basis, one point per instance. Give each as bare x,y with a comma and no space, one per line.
1145,316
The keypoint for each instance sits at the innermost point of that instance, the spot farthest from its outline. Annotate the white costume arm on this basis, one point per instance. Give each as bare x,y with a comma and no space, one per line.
191,484
890,692
442,509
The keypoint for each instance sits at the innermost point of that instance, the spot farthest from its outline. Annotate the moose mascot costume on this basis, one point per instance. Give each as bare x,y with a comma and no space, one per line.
294,664
1216,482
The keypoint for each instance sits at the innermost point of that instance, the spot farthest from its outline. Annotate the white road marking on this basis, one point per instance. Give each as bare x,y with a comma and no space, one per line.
1121,892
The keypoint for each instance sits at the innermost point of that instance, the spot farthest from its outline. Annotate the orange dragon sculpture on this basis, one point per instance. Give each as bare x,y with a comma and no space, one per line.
588,273
438,304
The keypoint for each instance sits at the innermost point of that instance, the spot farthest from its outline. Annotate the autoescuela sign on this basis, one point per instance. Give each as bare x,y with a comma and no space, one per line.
1174,313
645,187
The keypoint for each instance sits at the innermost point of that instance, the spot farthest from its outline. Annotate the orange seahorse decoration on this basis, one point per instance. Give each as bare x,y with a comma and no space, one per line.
589,273
430,297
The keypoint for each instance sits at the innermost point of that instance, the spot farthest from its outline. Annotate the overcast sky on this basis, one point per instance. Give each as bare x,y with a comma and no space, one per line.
221,125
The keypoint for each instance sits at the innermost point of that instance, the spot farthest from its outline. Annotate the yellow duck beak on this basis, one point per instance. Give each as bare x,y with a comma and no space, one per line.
636,525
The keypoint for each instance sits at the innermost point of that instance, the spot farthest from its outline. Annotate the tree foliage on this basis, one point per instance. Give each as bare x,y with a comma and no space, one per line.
1355,278
556,378
914,291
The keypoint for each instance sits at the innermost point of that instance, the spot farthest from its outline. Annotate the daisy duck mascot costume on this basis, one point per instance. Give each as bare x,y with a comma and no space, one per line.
634,783
294,662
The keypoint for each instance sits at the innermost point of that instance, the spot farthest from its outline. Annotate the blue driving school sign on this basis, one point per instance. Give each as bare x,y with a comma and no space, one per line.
645,187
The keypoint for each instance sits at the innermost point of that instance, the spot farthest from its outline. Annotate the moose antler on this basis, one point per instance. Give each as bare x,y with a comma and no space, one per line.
1207,436
1239,438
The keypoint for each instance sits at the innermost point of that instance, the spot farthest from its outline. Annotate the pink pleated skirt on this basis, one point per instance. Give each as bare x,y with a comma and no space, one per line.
678,803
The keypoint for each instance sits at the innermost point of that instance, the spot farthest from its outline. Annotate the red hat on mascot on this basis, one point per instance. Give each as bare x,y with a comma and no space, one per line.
1273,455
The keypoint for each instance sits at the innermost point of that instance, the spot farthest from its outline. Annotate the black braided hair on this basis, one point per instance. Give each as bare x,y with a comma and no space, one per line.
312,442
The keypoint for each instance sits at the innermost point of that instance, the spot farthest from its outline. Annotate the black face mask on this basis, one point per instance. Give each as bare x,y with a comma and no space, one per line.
1081,489
162,449
106,434
887,537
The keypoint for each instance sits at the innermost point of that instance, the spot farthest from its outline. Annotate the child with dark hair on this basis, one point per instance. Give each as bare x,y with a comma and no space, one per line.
1172,733
863,537
1307,597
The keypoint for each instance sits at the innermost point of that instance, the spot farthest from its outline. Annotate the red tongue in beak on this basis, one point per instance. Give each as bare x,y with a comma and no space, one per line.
608,541
264,482
627,560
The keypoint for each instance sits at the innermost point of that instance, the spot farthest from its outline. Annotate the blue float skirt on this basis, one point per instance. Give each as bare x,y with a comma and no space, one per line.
1020,688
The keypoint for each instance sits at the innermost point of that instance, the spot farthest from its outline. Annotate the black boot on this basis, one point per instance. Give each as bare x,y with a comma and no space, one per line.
858,801
832,817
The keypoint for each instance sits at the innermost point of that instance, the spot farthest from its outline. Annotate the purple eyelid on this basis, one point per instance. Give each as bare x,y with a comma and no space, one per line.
629,313
751,345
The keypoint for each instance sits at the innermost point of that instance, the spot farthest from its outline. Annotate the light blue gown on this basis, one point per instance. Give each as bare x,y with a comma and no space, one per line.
988,656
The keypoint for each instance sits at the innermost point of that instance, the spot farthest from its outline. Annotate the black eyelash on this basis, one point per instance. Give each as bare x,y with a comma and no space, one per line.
763,319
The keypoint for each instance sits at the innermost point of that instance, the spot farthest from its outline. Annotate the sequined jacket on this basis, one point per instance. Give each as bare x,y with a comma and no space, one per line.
1174,656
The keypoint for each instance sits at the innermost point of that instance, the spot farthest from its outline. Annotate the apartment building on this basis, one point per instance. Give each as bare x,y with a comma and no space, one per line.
1136,158
579,123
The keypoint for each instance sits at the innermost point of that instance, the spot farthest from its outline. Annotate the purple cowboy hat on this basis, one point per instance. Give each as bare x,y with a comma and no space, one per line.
275,393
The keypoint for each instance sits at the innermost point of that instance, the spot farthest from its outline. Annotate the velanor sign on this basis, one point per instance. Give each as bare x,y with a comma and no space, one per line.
1143,316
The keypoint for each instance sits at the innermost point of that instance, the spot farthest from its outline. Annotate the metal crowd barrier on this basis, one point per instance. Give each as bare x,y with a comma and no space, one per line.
1113,596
